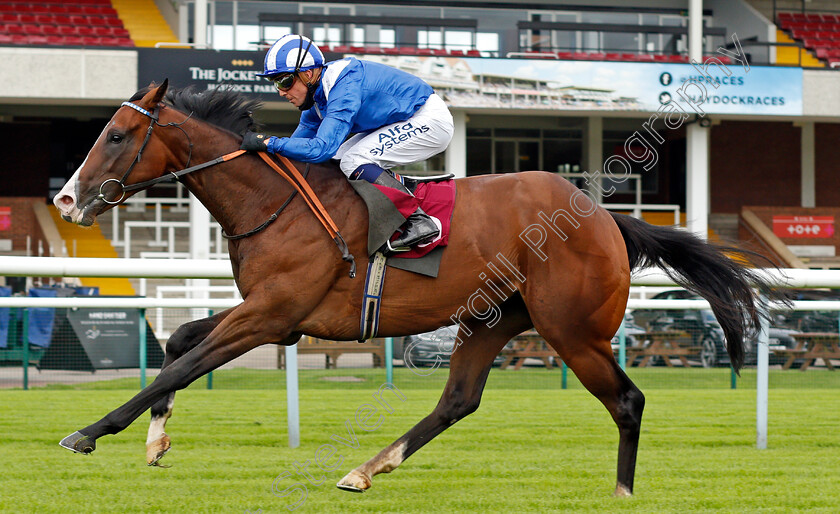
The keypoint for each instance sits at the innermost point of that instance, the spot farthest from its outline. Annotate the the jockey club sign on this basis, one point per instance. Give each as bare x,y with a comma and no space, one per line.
205,69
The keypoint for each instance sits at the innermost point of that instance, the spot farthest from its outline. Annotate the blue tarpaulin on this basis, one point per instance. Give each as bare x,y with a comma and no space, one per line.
4,318
41,318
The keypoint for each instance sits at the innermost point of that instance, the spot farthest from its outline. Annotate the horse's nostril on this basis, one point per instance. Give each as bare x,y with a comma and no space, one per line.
65,200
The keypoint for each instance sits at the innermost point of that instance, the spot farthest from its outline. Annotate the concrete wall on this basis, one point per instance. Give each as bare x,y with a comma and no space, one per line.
67,74
821,93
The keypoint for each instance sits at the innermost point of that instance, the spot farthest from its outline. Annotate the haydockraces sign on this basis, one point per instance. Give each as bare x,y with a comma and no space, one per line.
717,86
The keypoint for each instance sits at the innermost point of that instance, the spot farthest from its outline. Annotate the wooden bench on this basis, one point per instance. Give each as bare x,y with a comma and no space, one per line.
665,344
811,346
332,350
528,344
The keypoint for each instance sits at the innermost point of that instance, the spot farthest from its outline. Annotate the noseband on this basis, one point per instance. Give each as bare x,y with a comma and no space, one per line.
134,187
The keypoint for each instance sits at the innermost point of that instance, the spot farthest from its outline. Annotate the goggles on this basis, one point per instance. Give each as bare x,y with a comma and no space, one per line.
284,82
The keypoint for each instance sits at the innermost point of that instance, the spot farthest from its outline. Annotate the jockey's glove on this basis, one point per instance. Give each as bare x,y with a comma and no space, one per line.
254,142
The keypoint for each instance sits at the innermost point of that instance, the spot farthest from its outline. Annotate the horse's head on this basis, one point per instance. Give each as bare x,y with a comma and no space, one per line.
125,153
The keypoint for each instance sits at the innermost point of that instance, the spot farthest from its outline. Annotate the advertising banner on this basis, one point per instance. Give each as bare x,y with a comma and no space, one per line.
484,83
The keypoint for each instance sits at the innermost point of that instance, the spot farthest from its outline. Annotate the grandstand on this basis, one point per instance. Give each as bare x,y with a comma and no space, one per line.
532,85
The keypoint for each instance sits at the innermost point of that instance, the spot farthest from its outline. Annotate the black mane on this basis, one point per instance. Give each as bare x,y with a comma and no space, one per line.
223,107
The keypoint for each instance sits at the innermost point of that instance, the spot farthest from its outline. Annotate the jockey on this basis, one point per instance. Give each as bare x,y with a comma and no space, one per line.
396,119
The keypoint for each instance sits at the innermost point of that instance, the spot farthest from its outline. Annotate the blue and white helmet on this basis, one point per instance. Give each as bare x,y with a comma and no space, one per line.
292,53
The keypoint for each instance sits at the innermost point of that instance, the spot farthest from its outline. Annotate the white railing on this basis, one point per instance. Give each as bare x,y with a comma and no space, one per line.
188,268
186,292
158,204
636,207
220,252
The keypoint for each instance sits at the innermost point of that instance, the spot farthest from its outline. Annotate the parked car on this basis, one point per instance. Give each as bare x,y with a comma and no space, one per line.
632,334
430,348
708,335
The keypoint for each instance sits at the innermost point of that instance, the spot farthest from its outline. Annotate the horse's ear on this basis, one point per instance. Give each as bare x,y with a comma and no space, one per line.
155,94
160,92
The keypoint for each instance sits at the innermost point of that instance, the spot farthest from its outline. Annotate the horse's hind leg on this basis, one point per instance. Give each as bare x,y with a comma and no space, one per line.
594,365
469,366
183,340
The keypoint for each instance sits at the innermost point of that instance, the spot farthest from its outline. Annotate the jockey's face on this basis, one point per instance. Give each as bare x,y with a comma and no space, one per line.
297,93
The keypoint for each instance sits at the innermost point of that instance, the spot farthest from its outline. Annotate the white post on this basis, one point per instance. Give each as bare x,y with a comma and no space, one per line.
808,177
199,249
200,24
697,140
456,155
292,396
762,382
697,180
593,144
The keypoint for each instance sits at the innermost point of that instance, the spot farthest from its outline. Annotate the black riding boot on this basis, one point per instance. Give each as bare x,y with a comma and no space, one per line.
418,228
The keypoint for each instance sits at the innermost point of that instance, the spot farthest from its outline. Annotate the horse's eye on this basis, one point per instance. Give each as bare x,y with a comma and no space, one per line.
115,138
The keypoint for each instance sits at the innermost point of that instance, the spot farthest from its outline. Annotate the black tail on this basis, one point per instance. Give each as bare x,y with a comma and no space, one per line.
705,269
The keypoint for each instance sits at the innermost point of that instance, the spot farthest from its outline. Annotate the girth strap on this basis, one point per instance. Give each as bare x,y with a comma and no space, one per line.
294,177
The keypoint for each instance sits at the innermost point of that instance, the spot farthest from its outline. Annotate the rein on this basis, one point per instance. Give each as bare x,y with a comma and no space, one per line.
290,174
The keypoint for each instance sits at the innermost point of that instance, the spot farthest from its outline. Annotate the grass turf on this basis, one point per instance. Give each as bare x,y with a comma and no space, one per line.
525,450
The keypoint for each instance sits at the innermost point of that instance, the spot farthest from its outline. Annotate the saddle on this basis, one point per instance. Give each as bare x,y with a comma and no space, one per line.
437,198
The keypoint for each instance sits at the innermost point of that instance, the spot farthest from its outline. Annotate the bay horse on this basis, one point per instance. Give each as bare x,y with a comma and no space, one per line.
529,247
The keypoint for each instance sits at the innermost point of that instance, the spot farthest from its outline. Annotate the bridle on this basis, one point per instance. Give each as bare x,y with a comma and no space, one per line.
291,175
153,116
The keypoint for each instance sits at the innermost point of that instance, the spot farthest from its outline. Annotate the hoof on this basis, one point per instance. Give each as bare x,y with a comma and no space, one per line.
355,481
622,491
156,450
79,443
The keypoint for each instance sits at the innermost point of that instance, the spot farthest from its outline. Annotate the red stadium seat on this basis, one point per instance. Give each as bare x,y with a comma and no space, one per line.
112,21
58,9
119,32
44,19
66,30
20,39
55,40
91,41
32,29
7,8
597,56
116,41
49,30
40,9
36,39
473,53
660,58
78,20
613,57
96,21
8,18
73,41
26,18
5,39
14,28
84,31
74,9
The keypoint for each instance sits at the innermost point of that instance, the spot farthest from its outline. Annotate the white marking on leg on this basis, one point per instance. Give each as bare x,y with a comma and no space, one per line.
391,460
158,424
622,490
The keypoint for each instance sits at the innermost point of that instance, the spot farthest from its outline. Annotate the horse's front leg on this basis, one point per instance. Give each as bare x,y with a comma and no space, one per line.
245,328
187,337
